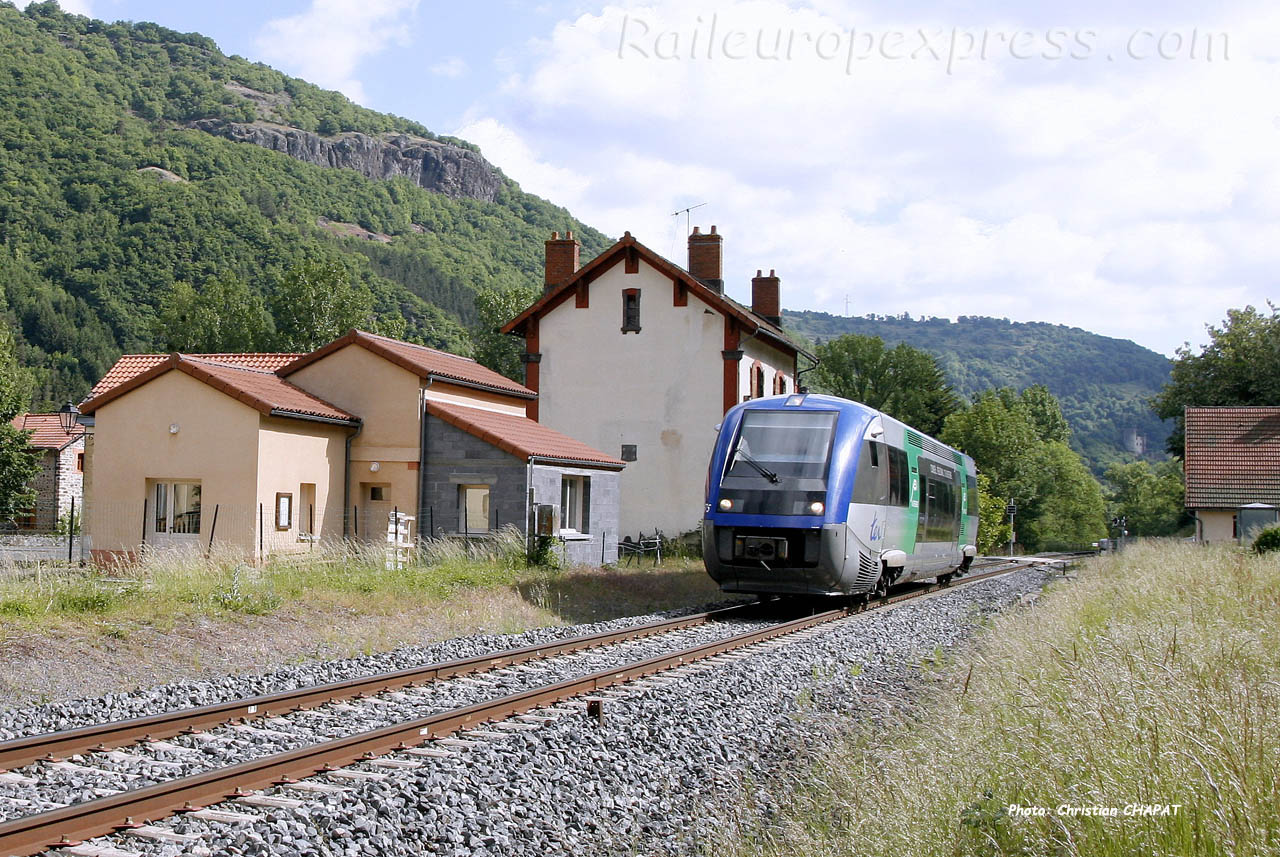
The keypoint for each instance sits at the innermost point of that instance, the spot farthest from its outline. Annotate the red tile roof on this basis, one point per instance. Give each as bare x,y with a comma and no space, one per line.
135,364
46,431
264,391
521,436
423,361
1232,457
755,323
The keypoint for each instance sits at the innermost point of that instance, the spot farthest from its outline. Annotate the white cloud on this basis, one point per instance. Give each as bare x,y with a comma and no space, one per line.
453,67
1131,197
326,43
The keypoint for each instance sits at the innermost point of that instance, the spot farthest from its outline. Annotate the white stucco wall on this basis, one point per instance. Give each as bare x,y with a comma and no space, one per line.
661,389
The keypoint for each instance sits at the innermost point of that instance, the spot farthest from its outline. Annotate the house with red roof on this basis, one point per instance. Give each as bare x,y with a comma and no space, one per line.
60,481
638,356
1231,459
365,438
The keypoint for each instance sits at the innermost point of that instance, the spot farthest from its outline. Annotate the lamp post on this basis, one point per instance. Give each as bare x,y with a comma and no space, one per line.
68,416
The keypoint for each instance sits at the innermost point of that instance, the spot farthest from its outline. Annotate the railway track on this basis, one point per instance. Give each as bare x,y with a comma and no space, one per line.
67,826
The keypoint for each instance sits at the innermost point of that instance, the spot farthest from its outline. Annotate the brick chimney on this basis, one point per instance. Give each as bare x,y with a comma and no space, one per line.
766,299
562,260
705,258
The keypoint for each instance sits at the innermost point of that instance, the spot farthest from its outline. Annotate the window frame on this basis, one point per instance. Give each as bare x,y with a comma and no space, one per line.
630,310
286,508
575,503
464,518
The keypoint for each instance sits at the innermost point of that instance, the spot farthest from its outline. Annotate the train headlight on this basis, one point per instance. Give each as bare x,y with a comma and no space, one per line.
726,504
816,507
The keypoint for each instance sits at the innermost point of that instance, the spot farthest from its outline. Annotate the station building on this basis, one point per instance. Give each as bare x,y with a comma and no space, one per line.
640,357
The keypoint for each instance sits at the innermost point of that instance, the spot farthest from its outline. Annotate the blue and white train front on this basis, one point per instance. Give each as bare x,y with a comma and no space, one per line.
778,492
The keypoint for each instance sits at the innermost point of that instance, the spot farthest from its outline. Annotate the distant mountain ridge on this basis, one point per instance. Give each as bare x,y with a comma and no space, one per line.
1104,384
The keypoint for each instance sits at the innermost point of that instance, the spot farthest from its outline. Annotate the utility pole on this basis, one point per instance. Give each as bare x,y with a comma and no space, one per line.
1011,509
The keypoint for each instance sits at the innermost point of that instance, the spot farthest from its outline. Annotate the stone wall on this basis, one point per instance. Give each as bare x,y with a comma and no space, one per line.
56,483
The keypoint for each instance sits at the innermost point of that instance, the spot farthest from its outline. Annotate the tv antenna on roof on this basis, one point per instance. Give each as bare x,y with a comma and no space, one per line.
685,212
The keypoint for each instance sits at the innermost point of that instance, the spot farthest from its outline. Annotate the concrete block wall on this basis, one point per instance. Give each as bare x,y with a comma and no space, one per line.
455,458
602,513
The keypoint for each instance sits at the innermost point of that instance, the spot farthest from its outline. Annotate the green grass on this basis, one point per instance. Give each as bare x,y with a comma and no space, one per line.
1153,679
176,587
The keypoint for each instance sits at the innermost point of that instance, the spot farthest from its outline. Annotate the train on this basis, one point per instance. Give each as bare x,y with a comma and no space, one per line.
809,494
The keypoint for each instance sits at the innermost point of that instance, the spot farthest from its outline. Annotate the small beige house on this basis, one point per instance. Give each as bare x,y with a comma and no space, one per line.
1231,458
365,438
193,451
638,356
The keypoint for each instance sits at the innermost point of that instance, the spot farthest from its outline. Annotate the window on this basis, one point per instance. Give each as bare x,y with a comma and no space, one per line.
780,384
284,511
307,509
162,507
473,508
575,503
899,478
628,452
80,462
870,481
939,512
176,508
757,380
630,310
971,497
377,493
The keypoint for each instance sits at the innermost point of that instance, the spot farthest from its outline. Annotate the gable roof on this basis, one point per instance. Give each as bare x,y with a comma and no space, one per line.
264,391
134,364
521,436
1232,457
46,431
755,323
424,362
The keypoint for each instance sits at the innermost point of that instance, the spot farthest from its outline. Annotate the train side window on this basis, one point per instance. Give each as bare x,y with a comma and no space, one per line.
971,486
870,482
899,478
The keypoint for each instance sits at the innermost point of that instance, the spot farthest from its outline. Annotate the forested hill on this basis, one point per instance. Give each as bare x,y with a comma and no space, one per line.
1104,384
135,157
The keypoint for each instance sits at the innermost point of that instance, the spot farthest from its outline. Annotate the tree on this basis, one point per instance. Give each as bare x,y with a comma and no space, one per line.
1045,414
225,317
1239,366
494,308
316,302
18,461
904,382
993,521
1015,441
1070,510
1150,499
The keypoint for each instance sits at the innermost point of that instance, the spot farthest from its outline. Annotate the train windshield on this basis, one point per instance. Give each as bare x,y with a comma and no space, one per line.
773,445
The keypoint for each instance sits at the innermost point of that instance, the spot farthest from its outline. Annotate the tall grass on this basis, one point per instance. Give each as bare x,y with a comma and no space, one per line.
1153,680
175,582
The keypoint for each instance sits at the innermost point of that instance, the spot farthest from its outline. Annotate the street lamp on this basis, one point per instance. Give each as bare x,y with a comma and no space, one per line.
68,415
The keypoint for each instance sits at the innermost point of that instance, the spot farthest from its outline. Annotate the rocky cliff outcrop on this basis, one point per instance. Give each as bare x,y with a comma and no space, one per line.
440,167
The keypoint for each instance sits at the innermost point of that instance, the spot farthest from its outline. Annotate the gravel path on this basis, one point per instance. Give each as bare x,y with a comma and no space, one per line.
646,780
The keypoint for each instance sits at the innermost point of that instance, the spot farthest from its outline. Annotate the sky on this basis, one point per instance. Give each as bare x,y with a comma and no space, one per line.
1114,169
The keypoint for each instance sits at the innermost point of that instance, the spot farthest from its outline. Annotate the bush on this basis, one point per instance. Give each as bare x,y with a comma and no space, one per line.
1267,541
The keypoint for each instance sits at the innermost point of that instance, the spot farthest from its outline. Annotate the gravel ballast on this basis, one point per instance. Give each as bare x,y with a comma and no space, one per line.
645,780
